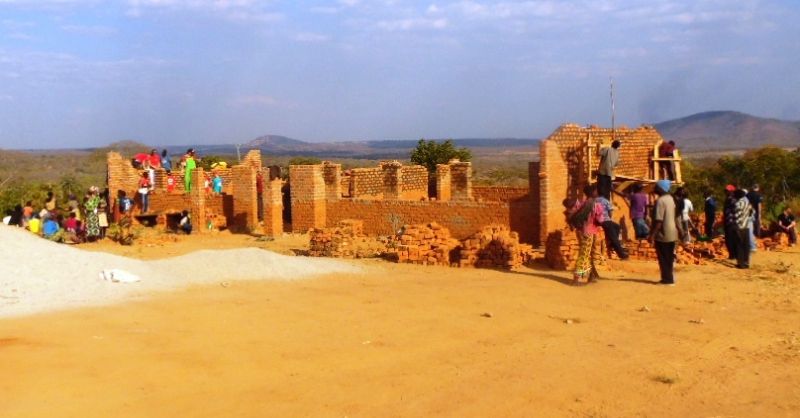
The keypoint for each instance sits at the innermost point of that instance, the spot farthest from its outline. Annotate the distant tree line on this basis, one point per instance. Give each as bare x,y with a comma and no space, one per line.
775,170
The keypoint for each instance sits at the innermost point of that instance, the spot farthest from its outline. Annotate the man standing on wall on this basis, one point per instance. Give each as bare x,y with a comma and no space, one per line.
664,232
609,158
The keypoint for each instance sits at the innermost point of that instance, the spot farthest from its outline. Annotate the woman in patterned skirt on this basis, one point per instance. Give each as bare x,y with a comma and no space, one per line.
92,220
586,216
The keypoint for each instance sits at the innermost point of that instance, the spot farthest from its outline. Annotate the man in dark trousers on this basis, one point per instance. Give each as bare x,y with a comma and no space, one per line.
609,158
754,196
664,232
711,214
729,218
742,213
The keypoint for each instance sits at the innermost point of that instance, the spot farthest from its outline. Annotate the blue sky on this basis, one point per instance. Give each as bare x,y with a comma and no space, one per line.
77,73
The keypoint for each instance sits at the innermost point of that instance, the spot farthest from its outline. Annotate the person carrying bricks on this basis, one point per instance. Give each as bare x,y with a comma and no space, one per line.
609,158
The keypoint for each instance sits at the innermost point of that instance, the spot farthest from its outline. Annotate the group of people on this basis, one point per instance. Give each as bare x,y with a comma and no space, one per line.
670,218
80,221
188,163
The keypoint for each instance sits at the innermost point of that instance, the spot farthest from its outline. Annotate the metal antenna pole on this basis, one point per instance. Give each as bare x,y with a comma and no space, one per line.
613,112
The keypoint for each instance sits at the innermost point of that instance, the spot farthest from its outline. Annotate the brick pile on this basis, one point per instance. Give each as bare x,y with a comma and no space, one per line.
341,241
495,246
561,249
429,244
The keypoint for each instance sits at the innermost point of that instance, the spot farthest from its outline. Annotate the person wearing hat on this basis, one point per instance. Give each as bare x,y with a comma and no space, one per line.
664,232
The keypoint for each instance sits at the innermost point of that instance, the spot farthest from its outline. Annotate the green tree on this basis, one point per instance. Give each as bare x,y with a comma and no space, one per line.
431,153
304,161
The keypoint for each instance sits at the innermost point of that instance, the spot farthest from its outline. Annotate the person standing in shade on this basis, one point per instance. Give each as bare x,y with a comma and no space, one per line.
686,207
609,158
743,213
611,228
710,210
191,164
260,193
754,196
638,200
730,221
786,224
664,232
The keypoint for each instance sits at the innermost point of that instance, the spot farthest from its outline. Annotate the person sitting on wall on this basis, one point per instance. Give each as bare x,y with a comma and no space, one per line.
609,158
170,182
667,150
185,224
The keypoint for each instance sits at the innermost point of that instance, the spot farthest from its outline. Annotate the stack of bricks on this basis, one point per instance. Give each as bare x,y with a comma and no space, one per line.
495,246
339,242
429,244
561,249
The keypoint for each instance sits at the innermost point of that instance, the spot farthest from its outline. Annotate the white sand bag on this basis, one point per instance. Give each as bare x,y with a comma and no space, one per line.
119,276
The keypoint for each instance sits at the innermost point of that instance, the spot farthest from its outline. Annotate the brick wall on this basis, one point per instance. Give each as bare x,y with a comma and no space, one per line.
553,189
462,218
332,174
272,199
443,182
307,197
245,198
460,180
414,185
367,183
499,194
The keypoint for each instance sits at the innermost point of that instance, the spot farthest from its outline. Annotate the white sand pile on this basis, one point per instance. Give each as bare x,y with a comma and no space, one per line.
38,275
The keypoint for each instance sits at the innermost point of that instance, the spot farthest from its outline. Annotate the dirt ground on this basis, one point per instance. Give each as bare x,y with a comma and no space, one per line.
403,340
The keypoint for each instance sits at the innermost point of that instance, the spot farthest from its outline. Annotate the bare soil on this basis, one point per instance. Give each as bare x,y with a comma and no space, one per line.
405,340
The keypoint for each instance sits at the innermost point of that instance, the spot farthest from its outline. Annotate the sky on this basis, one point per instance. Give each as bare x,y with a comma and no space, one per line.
83,73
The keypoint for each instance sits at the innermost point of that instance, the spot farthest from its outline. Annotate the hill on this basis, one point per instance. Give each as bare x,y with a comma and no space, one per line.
729,130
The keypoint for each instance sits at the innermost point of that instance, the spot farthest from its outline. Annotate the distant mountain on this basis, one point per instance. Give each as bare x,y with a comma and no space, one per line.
729,130
281,145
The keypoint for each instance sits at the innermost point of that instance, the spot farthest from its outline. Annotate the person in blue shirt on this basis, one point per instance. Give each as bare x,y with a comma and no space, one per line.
611,228
166,162
52,229
217,183
710,210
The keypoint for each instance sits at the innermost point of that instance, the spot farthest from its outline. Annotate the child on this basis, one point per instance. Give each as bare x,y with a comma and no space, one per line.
186,222
35,224
144,189
207,183
170,182
27,212
125,203
217,183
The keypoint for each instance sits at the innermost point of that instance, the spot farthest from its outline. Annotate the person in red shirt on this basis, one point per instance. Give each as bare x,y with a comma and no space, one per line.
141,160
154,159
170,182
144,190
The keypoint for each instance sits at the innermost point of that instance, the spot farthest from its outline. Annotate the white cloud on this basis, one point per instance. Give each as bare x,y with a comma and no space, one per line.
311,37
96,30
254,101
412,24
234,10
